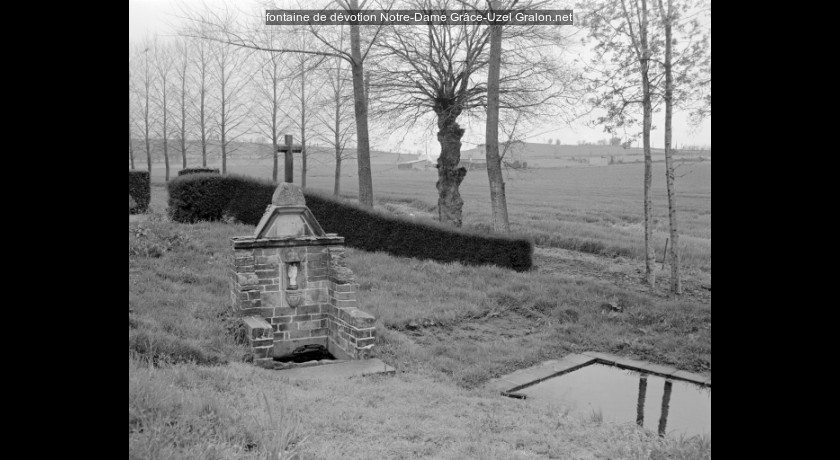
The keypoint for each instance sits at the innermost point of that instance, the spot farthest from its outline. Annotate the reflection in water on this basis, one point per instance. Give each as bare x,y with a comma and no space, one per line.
684,408
640,404
666,401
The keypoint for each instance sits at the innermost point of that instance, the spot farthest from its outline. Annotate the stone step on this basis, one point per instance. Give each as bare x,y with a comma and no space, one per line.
340,370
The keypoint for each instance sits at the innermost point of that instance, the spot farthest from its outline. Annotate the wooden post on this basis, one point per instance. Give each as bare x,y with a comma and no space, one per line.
289,166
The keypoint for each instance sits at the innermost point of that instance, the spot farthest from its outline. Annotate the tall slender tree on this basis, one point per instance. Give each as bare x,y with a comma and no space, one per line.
201,64
164,64
271,93
692,67
182,67
230,78
215,26
498,199
144,88
335,127
130,116
304,90
621,76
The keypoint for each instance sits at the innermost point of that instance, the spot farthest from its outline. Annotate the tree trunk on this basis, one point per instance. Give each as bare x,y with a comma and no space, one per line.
498,200
203,121
302,124
337,141
676,285
450,175
184,117
222,135
650,266
361,111
130,142
274,104
146,135
337,187
165,134
183,134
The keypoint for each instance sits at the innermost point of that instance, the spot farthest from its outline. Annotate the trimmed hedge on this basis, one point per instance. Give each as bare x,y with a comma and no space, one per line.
206,196
139,189
186,171
197,197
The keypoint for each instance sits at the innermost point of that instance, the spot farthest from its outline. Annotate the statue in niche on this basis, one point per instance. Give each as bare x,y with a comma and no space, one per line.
292,273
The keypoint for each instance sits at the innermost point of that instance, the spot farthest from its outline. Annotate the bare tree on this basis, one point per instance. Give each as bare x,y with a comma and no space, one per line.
130,116
182,64
335,127
163,65
144,88
498,199
230,80
201,113
303,67
438,69
621,32
270,90
690,65
214,26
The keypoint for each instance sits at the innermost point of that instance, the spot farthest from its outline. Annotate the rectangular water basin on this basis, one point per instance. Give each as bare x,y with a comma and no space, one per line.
669,406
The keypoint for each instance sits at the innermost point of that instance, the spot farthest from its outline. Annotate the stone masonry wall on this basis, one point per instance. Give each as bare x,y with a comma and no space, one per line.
352,331
328,314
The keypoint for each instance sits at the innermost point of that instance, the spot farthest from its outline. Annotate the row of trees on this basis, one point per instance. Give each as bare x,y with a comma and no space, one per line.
197,95
651,53
441,76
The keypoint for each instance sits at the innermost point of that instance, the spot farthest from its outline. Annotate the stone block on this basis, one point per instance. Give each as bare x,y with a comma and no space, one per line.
246,279
263,352
299,334
274,299
267,274
257,327
261,312
345,304
365,342
344,287
314,296
309,325
361,319
320,332
309,309
343,295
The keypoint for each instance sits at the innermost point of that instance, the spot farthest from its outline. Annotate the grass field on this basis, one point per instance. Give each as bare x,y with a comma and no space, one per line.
591,209
447,329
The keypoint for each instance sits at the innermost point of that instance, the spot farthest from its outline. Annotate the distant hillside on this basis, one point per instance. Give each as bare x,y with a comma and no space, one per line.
553,155
534,154
250,151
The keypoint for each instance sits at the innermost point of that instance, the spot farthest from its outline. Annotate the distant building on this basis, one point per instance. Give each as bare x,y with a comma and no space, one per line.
473,163
415,164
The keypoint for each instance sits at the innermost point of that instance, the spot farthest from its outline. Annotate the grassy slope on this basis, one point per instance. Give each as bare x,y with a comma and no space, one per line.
486,322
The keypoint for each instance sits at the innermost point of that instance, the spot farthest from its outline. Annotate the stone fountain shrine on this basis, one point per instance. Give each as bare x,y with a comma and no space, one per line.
290,285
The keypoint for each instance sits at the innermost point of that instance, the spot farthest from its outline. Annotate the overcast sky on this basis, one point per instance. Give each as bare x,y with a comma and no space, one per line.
149,17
